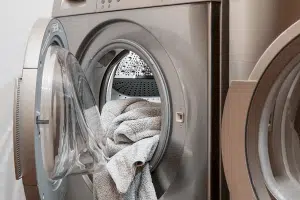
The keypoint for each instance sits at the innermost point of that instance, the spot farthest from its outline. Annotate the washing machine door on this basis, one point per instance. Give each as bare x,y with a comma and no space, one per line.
46,38
260,127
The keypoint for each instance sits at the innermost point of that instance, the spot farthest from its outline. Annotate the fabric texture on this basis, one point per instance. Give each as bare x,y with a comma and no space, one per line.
128,135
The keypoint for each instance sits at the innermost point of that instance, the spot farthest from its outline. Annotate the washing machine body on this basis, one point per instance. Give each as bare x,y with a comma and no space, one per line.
260,127
182,46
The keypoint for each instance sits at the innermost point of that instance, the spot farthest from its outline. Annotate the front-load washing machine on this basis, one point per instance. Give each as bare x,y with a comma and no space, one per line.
260,127
172,52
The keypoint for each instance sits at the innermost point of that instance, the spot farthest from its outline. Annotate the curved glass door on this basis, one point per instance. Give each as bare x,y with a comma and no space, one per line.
68,118
44,33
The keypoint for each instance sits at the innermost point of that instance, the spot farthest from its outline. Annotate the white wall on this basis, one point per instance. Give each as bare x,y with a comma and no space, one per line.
16,19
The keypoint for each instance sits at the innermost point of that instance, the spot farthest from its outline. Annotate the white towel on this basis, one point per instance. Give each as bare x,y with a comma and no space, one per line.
129,136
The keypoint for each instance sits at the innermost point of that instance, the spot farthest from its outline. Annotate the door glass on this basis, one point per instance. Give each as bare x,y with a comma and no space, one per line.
68,118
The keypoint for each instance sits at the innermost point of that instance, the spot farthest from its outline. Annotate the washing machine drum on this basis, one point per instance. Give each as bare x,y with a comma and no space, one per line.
68,111
70,140
261,127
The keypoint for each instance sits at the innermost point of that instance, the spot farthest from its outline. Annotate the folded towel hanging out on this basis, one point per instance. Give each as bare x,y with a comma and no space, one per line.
128,136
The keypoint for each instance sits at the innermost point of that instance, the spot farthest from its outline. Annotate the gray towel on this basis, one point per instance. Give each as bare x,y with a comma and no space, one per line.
129,136
127,121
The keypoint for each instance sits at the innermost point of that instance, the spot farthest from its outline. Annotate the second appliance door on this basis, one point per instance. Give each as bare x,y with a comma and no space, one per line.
260,127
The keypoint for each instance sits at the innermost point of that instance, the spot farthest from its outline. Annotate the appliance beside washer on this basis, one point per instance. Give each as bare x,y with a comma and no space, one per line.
260,128
258,154
181,43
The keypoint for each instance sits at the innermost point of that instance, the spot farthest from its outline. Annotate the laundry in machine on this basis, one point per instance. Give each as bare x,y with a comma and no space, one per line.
172,52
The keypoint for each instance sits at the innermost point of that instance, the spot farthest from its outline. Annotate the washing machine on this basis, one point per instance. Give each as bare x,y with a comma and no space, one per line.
172,52
260,127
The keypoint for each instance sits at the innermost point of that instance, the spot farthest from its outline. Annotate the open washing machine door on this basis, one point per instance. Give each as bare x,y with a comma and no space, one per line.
260,126
45,34
53,99
52,80
51,102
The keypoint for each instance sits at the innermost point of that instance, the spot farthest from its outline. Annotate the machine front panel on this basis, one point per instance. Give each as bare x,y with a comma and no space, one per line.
124,55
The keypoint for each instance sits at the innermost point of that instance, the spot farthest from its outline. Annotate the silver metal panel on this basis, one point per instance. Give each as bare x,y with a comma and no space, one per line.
182,31
254,24
111,5
73,7
285,38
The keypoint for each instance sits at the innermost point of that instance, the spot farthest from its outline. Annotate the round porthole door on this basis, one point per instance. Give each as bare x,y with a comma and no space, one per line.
44,35
260,126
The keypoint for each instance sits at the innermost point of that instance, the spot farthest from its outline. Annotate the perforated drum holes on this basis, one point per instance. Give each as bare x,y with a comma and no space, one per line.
132,66
179,117
134,78
136,87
